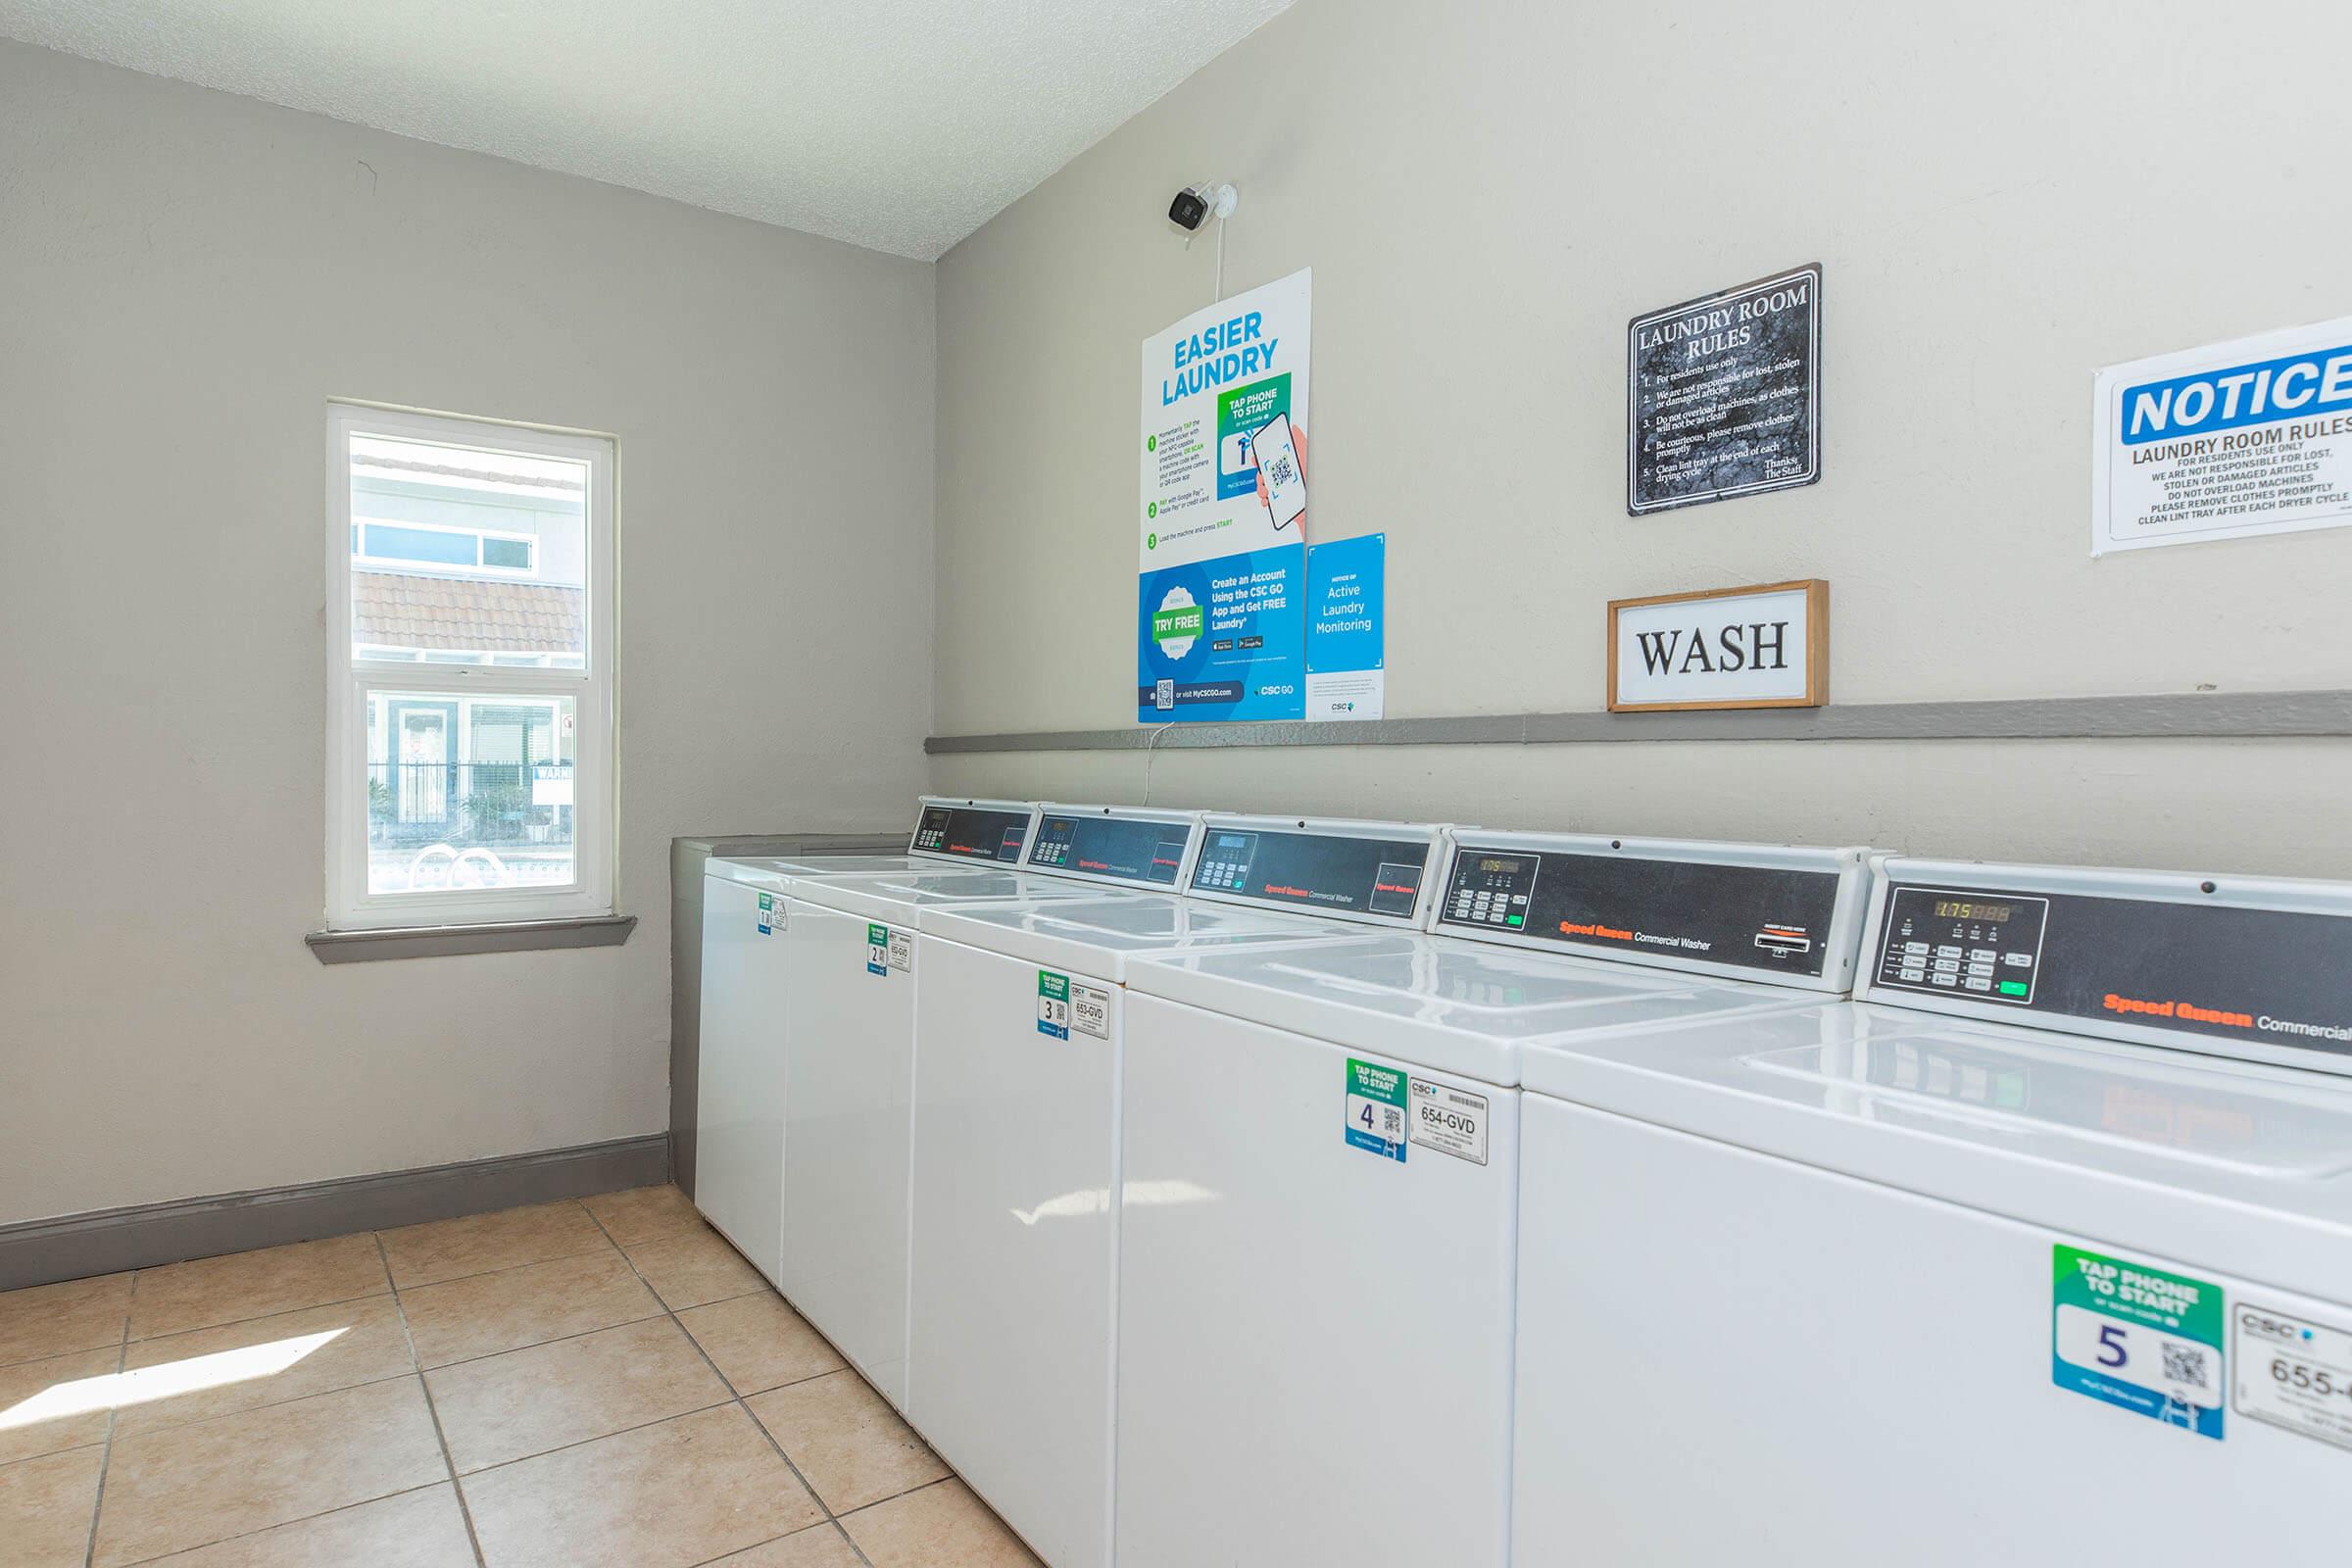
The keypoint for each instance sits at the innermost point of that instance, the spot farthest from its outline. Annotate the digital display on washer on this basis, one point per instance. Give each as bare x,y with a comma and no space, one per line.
971,832
1767,918
1132,850
1313,871
2280,977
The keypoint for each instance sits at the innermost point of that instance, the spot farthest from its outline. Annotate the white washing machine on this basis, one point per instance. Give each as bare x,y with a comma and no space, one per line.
739,1094
1315,1356
1019,1028
849,1070
2007,1261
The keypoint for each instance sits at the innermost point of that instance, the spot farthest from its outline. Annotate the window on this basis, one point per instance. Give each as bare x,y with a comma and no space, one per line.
469,758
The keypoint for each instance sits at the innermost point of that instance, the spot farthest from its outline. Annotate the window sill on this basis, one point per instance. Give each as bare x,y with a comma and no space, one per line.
449,941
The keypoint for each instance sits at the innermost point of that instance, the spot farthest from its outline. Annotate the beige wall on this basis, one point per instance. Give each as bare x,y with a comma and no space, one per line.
185,278
2004,197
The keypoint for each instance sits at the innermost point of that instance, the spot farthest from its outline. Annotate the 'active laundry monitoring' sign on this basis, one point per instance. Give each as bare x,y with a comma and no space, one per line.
2239,438
1762,647
1723,394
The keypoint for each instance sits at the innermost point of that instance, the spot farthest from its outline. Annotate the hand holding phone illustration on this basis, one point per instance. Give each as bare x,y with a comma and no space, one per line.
1281,469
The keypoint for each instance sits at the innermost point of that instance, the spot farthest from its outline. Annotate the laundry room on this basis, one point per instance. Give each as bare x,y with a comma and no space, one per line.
705,857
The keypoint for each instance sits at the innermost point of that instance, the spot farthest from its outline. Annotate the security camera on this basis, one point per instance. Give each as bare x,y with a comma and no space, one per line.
1196,205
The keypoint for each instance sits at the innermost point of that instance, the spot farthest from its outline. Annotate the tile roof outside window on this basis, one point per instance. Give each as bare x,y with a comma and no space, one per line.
401,610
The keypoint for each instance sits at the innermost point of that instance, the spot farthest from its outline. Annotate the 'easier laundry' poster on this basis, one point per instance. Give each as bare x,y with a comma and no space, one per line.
1220,612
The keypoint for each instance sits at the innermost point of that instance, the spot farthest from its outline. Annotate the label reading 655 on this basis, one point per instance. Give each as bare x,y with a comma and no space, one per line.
1452,1121
2294,1373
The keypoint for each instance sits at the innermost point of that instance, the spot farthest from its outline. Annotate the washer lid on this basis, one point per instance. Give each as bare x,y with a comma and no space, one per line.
2236,1166
897,895
763,870
1098,935
1438,1003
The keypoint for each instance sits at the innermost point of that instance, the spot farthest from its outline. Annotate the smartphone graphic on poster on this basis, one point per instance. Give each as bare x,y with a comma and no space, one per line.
1278,462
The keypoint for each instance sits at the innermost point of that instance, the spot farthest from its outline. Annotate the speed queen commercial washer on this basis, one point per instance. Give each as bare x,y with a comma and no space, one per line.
1016,1163
1315,1358
739,1095
2007,1261
849,1064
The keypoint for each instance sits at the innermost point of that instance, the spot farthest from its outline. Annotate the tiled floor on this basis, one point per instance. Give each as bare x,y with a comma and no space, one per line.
567,1385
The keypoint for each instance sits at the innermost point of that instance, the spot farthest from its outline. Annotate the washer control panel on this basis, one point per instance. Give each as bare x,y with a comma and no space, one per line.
1776,915
1972,943
1113,848
971,831
2258,967
1369,875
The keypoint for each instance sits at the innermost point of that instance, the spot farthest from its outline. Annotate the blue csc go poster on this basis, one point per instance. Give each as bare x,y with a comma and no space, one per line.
1220,587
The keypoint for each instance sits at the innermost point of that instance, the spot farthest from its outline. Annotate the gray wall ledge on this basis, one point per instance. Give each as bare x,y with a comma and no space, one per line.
443,941
2165,716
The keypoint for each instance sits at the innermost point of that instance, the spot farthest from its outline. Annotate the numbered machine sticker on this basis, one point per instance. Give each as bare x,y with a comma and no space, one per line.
1376,1112
1052,1004
2294,1373
1452,1121
877,950
771,915
2137,1338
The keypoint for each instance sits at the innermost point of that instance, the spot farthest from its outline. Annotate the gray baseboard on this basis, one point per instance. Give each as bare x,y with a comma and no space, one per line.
144,1235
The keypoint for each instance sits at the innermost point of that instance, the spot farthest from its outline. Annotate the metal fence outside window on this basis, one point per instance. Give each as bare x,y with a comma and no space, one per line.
462,804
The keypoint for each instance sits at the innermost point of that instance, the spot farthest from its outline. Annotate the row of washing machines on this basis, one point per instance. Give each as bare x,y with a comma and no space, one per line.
1236,1190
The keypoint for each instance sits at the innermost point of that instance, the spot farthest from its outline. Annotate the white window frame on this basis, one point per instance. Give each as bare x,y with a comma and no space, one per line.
350,907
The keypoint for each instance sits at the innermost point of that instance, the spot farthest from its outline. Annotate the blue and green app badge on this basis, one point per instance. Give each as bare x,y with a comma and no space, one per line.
2137,1338
877,950
1052,1004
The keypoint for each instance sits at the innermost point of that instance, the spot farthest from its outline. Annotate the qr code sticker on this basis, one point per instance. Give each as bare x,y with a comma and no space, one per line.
2185,1363
1281,470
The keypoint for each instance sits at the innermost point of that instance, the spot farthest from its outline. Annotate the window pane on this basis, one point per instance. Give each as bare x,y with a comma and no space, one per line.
426,546
467,791
467,553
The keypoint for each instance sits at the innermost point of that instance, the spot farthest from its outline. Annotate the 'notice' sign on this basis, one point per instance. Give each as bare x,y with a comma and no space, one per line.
1764,646
2240,439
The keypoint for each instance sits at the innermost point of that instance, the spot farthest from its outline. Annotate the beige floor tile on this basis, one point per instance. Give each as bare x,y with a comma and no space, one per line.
448,1248
845,1439
45,1508
660,1496
939,1526
690,1267
483,1314
47,1320
211,1291
760,1342
58,1403
189,1485
420,1529
644,1212
507,1407
817,1547
263,1360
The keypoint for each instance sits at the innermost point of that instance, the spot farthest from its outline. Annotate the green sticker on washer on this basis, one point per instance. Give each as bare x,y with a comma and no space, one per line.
2137,1338
877,950
1052,1004
1376,1108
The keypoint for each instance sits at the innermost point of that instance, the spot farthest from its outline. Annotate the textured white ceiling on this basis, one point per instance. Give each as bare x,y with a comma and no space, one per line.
902,124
